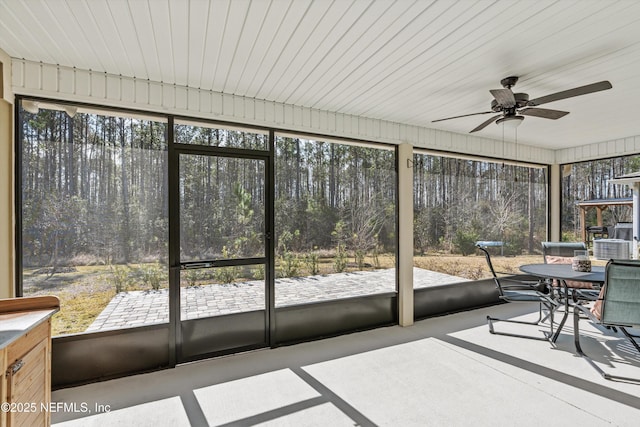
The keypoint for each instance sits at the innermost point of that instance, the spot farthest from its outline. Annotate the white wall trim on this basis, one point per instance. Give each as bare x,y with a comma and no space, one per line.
6,63
599,150
72,84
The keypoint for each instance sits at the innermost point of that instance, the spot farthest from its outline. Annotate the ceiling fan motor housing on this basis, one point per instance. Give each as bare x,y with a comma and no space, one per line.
521,101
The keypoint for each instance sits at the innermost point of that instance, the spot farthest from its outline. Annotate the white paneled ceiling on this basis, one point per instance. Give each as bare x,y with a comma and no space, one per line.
406,61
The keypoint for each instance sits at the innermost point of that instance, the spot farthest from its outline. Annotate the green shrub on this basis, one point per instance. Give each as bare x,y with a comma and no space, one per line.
120,276
312,262
258,272
376,254
289,265
340,261
152,275
359,256
192,276
465,241
227,274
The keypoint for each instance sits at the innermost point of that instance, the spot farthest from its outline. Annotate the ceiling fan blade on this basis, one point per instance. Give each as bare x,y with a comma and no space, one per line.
582,90
464,115
545,113
486,123
504,97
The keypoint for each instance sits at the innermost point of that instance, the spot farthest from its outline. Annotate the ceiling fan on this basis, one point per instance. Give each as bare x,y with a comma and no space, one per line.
512,107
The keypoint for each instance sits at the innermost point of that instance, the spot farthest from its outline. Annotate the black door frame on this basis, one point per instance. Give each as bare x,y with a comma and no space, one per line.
176,339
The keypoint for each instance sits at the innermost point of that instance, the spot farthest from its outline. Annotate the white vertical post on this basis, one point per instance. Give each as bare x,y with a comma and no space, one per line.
555,195
7,235
405,234
636,220
6,91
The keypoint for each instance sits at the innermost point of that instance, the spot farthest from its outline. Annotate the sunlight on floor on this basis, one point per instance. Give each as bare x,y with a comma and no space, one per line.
441,371
247,397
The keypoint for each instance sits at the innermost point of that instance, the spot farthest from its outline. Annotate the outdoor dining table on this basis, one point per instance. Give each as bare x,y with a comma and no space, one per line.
565,274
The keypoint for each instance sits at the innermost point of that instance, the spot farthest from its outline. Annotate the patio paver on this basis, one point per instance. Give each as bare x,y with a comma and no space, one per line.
137,308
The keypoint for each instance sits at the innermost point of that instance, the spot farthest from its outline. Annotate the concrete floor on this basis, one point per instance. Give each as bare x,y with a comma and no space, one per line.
444,371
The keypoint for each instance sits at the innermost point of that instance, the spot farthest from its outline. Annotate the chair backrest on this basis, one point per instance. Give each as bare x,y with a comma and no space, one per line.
493,272
621,300
563,249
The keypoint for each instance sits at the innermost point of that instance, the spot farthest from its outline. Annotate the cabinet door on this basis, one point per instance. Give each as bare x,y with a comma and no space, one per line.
27,388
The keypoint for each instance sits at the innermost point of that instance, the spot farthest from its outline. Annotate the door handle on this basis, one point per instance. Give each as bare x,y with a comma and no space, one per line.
196,265
13,369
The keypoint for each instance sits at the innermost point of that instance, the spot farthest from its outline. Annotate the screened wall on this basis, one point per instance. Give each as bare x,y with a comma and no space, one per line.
459,202
94,214
335,215
590,181
170,239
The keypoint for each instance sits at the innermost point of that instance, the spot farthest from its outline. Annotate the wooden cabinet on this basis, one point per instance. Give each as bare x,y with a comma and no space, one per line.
25,359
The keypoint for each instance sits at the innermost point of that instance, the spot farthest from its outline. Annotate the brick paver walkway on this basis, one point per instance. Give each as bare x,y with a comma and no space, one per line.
137,308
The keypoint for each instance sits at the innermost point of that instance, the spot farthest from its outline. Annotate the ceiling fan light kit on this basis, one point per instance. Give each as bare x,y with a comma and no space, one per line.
511,122
512,107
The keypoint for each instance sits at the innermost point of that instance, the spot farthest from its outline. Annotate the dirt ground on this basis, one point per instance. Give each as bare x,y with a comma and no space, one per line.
84,291
474,267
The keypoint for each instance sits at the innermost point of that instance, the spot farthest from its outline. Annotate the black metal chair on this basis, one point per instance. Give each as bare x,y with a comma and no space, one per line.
561,253
514,290
561,249
619,308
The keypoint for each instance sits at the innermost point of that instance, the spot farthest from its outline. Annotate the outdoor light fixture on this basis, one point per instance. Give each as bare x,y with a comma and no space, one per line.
34,107
30,106
511,122
71,111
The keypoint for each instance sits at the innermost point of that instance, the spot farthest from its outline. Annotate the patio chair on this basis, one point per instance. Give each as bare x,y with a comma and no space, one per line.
560,249
618,308
562,253
514,290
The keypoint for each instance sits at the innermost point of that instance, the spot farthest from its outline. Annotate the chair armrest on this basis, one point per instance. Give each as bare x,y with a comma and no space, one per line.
529,295
585,309
515,284
587,294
